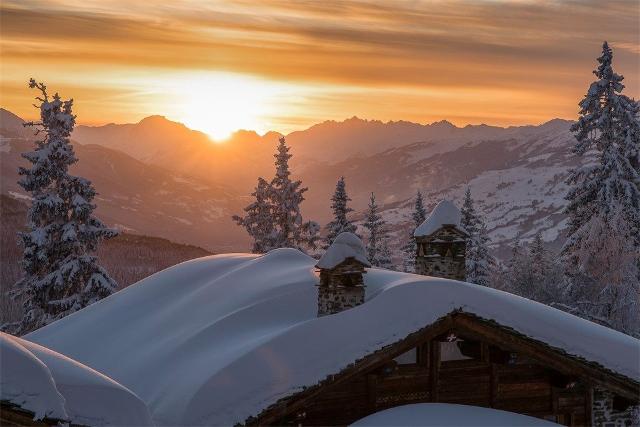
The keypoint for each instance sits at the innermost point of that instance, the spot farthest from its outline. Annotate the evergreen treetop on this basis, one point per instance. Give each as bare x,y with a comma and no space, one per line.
409,249
609,125
378,252
340,222
419,214
274,219
469,219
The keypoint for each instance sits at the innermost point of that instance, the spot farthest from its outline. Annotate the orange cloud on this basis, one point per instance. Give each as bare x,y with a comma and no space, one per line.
477,61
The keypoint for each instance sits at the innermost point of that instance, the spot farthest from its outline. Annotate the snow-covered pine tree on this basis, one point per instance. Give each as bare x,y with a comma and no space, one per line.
274,220
373,223
410,249
479,261
540,258
340,222
385,257
60,274
286,196
533,273
609,287
469,219
517,271
605,194
258,220
378,252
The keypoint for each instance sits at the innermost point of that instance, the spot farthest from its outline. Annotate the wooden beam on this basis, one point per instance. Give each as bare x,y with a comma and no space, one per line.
484,352
588,406
434,370
372,381
493,397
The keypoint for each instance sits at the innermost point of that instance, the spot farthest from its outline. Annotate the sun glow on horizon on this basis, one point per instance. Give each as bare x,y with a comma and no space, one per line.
219,104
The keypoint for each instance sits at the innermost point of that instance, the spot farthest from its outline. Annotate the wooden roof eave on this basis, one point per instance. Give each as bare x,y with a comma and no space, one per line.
471,326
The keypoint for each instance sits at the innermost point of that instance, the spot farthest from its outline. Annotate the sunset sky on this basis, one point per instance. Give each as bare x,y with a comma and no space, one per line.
277,65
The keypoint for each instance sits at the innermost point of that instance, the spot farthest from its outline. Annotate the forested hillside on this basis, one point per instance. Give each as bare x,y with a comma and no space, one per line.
128,257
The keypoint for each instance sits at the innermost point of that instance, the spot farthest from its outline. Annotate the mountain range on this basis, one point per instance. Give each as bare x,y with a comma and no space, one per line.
161,178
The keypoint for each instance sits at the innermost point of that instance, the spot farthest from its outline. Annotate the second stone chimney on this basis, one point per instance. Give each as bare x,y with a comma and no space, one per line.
441,243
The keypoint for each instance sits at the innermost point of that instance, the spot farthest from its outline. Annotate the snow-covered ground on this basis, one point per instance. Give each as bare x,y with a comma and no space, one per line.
448,415
52,385
218,339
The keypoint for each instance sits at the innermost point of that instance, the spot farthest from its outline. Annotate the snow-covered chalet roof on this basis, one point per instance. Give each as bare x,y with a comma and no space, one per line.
445,213
218,339
346,245
51,385
448,415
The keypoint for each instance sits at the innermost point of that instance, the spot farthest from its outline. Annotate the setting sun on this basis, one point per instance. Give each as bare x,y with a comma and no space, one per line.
221,103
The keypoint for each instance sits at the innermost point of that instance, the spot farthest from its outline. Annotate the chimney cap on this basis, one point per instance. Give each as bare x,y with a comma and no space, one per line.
446,213
346,245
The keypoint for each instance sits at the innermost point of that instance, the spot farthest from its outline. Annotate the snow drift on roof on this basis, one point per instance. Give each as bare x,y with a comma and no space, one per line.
446,212
218,339
52,385
346,245
448,415
27,382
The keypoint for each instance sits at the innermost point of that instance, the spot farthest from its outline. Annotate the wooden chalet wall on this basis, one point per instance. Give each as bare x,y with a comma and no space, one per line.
489,375
442,254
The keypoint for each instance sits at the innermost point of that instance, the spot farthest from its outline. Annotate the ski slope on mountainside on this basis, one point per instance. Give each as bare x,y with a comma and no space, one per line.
218,339
519,184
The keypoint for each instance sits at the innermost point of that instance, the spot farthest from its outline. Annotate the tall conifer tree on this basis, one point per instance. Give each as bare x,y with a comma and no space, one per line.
274,220
604,201
378,252
409,250
258,220
478,259
60,274
340,222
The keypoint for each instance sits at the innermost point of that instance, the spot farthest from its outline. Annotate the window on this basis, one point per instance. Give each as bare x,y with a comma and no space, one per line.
408,358
451,351
455,348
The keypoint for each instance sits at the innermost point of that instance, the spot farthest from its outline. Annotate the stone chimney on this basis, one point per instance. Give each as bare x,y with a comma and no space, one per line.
341,275
441,243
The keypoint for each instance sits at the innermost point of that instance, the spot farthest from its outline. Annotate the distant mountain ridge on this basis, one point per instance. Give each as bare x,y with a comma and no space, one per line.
136,196
516,173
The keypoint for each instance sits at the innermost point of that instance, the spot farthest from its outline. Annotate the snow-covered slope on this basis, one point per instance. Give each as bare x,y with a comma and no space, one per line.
218,339
448,415
52,385
517,181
